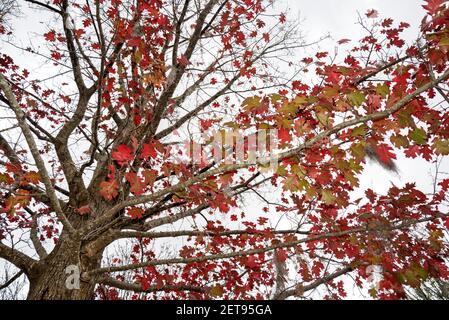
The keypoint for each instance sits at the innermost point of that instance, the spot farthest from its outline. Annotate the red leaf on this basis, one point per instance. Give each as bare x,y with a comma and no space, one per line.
281,255
136,213
123,155
444,184
282,18
317,267
251,262
387,22
321,55
78,33
412,152
298,85
266,37
134,42
372,14
183,61
224,207
186,252
384,153
343,41
86,23
137,119
50,36
83,210
137,185
56,55
284,135
206,124
108,189
432,6
446,223
148,151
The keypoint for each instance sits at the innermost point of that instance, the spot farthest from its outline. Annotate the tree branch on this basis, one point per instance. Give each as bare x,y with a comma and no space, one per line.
283,155
137,287
17,258
192,233
304,288
45,5
10,281
42,253
250,252
20,115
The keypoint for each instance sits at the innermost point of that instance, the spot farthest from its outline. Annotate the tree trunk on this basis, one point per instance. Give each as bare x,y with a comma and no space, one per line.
58,276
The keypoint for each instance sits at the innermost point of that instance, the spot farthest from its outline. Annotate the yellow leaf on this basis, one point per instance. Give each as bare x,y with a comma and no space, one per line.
328,197
216,291
251,103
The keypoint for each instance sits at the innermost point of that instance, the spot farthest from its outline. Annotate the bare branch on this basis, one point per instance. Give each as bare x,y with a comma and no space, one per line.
137,287
20,115
304,288
19,259
45,5
10,281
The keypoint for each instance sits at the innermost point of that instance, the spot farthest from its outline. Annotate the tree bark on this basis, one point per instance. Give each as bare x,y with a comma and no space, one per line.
58,275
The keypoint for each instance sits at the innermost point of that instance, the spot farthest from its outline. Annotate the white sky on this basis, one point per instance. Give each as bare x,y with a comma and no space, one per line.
338,18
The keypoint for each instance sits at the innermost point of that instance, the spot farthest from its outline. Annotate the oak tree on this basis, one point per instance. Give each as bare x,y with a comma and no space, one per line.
93,153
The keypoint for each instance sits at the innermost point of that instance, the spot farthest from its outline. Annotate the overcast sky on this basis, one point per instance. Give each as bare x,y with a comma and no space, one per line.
338,18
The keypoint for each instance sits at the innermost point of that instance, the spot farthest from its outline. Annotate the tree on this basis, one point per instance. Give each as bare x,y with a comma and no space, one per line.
434,289
93,156
7,7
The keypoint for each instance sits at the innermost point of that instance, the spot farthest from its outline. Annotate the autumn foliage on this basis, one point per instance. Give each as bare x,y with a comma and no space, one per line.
94,156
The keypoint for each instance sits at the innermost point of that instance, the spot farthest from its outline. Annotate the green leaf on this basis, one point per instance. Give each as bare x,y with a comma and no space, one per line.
411,278
441,147
275,97
355,166
352,180
300,172
383,90
358,151
323,118
405,118
444,42
299,100
288,108
231,124
303,184
251,103
4,178
419,136
399,141
281,171
291,184
359,131
356,98
373,292
330,92
310,192
328,197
